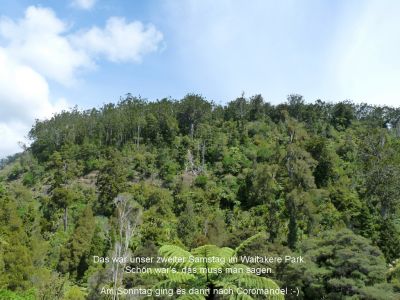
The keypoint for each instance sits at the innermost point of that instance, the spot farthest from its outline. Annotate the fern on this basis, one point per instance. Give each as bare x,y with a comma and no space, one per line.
165,284
247,242
222,256
172,275
176,254
204,260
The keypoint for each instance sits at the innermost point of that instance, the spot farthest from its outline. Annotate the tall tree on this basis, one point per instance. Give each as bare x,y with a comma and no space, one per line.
111,181
128,214
63,198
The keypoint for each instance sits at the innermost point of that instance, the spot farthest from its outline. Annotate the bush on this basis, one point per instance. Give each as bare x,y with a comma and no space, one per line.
10,295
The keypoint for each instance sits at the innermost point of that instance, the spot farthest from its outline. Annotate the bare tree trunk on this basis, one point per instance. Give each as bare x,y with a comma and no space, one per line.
203,150
115,270
65,218
128,219
191,130
138,136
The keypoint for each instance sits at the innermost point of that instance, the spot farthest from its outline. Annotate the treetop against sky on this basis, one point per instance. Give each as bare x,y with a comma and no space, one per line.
58,54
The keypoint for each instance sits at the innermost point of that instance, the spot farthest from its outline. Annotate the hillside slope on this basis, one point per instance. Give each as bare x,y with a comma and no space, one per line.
319,179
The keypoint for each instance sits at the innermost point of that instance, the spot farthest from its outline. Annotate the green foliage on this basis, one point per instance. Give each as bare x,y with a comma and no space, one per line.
389,239
193,110
9,295
234,160
15,172
343,115
205,260
15,257
203,174
339,263
110,182
74,293
48,284
74,258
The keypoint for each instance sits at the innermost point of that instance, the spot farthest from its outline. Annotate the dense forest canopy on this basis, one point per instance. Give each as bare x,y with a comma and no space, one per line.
317,179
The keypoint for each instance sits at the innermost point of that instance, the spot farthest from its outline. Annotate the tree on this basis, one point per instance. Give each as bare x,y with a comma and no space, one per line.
263,188
389,239
15,260
238,109
296,106
188,224
343,115
128,218
49,285
74,258
205,174
60,169
63,198
110,182
257,110
338,264
193,109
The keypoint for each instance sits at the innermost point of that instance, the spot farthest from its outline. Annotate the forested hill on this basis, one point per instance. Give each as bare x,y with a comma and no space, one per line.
319,179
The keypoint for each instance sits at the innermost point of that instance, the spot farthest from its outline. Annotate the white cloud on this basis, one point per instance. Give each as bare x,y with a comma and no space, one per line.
119,41
24,97
11,134
42,41
38,41
40,48
35,51
84,4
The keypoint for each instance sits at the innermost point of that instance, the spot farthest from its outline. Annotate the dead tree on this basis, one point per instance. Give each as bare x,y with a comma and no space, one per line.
128,218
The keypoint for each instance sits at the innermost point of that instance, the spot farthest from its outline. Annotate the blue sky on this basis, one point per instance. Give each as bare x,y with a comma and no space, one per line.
56,54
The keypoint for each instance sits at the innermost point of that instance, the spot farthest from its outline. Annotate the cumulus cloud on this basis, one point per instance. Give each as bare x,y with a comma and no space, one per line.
24,97
11,134
40,48
119,41
42,41
84,4
19,85
38,40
